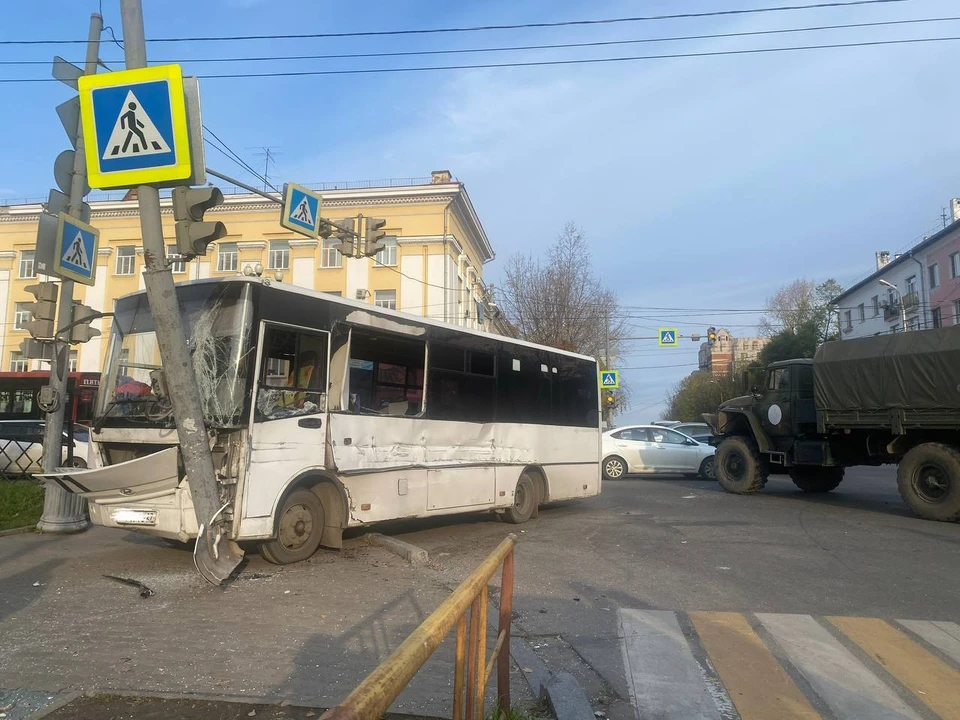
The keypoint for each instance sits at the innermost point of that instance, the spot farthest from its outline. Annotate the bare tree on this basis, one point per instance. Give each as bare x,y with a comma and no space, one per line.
558,301
796,307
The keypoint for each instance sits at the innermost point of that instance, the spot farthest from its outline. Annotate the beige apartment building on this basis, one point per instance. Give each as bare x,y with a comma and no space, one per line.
433,267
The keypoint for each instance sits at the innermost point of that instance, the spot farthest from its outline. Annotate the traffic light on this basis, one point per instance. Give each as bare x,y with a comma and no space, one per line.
44,310
374,235
83,316
193,232
345,231
608,398
711,335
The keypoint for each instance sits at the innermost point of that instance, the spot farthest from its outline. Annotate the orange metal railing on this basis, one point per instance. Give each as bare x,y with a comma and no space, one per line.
472,669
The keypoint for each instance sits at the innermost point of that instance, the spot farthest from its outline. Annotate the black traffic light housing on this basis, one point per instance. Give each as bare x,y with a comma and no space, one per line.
194,234
81,331
44,310
374,236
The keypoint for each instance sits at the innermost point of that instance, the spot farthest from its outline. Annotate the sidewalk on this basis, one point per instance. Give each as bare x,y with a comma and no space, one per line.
305,633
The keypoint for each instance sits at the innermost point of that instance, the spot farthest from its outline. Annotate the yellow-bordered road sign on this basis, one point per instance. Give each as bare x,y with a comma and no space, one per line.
668,337
135,127
609,379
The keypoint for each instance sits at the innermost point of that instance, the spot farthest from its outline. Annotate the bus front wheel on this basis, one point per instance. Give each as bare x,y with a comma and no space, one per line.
525,501
299,529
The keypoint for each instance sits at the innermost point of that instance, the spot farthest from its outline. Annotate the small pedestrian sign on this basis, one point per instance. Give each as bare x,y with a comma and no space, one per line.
301,210
75,256
135,128
609,379
669,337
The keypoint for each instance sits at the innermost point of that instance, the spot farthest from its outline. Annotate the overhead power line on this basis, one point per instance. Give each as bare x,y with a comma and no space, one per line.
515,48
486,28
542,63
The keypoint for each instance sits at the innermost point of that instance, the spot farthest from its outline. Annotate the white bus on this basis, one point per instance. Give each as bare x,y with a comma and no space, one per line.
325,413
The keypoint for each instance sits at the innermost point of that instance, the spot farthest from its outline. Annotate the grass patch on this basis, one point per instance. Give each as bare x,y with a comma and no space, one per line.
21,503
537,713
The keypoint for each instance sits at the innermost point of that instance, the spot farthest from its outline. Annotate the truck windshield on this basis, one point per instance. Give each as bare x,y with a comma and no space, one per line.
217,319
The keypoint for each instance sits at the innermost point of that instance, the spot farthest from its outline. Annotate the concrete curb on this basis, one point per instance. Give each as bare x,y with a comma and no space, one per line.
562,692
411,553
18,531
66,699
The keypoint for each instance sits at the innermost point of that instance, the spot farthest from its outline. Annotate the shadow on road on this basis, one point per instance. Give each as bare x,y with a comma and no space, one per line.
22,589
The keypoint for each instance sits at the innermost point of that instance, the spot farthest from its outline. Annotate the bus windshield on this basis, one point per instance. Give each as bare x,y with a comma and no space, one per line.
218,321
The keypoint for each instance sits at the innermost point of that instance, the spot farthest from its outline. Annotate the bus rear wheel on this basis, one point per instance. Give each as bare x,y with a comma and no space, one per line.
299,529
525,501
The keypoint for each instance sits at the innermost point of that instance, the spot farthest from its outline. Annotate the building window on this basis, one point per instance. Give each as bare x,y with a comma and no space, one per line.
126,259
26,264
72,362
335,293
18,363
913,324
935,318
177,267
955,265
861,312
848,320
875,300
911,284
956,312
330,257
227,257
279,258
387,256
385,299
20,316
934,271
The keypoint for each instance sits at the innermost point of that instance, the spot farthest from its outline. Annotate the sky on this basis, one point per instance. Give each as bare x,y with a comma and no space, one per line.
702,183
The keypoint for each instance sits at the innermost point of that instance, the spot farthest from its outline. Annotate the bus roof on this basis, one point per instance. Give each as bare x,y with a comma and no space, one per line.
374,309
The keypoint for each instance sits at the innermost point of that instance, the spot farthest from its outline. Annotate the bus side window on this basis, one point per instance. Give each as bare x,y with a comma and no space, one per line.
293,376
386,373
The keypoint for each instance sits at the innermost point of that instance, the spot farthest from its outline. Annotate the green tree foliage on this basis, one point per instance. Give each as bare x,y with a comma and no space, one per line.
801,342
698,393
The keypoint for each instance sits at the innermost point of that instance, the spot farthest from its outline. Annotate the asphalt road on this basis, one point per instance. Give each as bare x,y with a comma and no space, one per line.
670,544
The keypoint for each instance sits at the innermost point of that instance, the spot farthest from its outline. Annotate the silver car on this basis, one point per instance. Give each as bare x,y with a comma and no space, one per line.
654,449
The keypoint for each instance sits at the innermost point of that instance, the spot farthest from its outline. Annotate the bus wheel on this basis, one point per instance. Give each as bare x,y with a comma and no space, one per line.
299,529
525,501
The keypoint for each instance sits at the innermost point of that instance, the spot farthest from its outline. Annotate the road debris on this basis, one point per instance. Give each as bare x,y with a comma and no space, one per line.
145,592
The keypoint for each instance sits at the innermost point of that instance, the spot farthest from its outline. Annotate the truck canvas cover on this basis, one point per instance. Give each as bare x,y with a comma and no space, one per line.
917,370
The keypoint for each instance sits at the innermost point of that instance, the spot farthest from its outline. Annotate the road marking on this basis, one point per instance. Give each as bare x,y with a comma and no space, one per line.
845,684
945,636
934,682
665,679
758,686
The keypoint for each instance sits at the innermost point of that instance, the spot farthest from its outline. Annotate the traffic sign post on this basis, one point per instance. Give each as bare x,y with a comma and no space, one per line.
135,128
301,210
609,379
668,337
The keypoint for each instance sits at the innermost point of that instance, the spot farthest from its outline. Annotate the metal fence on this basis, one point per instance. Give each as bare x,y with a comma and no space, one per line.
472,669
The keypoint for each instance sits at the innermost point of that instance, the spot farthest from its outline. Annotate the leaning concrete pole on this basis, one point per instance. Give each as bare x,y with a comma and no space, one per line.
216,556
65,512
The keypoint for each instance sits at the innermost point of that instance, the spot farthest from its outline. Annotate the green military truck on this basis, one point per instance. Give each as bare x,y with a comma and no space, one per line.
868,401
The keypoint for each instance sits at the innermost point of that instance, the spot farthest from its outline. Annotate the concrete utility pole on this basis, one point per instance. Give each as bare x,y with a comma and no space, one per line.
215,555
65,512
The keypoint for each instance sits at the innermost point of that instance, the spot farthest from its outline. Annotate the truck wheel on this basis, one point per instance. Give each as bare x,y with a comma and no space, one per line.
299,529
739,467
817,479
928,478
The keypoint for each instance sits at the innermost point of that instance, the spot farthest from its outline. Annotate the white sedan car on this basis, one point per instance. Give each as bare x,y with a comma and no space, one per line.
654,449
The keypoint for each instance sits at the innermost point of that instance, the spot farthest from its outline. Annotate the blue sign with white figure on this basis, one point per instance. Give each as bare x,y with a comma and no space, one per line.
76,250
301,210
668,337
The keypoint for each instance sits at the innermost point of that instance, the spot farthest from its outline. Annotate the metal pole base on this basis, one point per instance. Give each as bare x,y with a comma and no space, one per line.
215,556
63,512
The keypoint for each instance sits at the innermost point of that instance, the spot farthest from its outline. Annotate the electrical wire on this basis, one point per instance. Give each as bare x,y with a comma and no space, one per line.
487,28
513,48
228,152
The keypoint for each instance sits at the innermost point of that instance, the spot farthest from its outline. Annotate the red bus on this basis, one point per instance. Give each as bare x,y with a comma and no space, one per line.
18,395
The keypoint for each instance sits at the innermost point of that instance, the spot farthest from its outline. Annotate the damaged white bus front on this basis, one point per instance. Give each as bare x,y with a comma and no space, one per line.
137,479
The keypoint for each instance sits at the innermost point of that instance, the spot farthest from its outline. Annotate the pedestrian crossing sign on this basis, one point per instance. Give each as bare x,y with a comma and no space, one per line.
301,210
609,379
75,255
668,337
135,128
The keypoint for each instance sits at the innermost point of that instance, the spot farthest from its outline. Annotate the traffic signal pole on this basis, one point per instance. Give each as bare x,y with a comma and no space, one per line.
65,512
215,554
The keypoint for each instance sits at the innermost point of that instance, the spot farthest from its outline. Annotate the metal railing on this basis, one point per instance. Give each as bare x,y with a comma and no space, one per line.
472,669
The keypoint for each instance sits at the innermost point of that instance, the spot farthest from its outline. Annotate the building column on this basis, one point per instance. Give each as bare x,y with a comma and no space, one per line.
63,512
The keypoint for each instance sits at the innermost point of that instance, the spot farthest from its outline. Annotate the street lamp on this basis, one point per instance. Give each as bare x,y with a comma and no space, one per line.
903,310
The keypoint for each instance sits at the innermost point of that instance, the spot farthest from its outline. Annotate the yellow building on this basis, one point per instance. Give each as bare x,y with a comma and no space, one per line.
433,268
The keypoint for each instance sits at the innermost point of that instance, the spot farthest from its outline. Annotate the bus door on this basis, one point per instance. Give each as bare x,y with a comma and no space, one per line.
288,433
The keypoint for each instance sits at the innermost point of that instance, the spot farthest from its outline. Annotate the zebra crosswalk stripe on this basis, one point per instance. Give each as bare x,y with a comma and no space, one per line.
702,665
